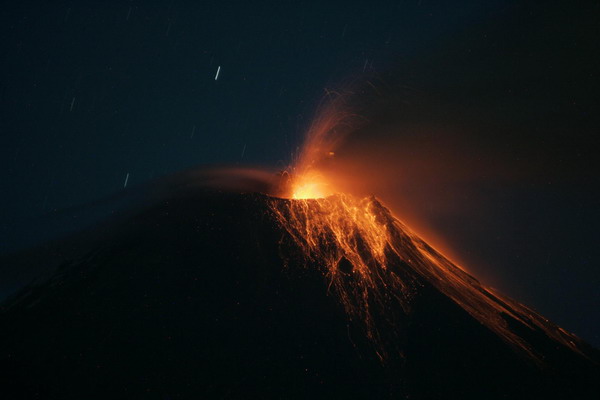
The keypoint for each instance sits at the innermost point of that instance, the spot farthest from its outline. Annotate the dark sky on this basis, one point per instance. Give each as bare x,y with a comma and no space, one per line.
93,91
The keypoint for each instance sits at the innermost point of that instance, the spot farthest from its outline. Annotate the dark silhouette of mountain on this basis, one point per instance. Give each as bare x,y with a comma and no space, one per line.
208,295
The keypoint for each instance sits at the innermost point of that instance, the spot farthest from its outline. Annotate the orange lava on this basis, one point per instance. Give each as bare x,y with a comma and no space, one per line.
370,257
310,186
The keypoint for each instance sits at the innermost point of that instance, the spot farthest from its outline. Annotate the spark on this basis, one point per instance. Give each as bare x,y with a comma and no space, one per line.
243,151
126,180
193,131
369,256
72,104
217,75
309,185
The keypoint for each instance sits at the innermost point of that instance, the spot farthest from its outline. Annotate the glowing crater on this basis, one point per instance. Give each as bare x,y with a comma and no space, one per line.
310,186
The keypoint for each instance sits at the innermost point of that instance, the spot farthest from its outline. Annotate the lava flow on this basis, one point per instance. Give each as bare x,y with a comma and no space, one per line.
372,260
376,265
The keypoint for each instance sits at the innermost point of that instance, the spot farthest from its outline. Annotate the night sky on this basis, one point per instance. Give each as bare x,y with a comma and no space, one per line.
93,92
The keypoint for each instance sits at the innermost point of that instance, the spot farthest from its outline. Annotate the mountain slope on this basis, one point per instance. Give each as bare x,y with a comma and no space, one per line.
214,295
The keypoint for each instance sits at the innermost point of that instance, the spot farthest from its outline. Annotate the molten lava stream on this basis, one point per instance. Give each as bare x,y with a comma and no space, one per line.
370,257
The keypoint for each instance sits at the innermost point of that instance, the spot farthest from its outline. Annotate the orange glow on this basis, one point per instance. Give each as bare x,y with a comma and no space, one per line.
305,176
310,186
369,257
308,191
372,259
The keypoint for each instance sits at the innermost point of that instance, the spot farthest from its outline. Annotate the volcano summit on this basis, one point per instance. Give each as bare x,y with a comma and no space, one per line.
221,294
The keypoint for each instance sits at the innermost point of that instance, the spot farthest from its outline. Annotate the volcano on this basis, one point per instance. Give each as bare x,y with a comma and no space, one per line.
220,294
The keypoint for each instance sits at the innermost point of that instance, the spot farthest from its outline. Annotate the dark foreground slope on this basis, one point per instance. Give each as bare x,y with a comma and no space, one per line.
191,299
